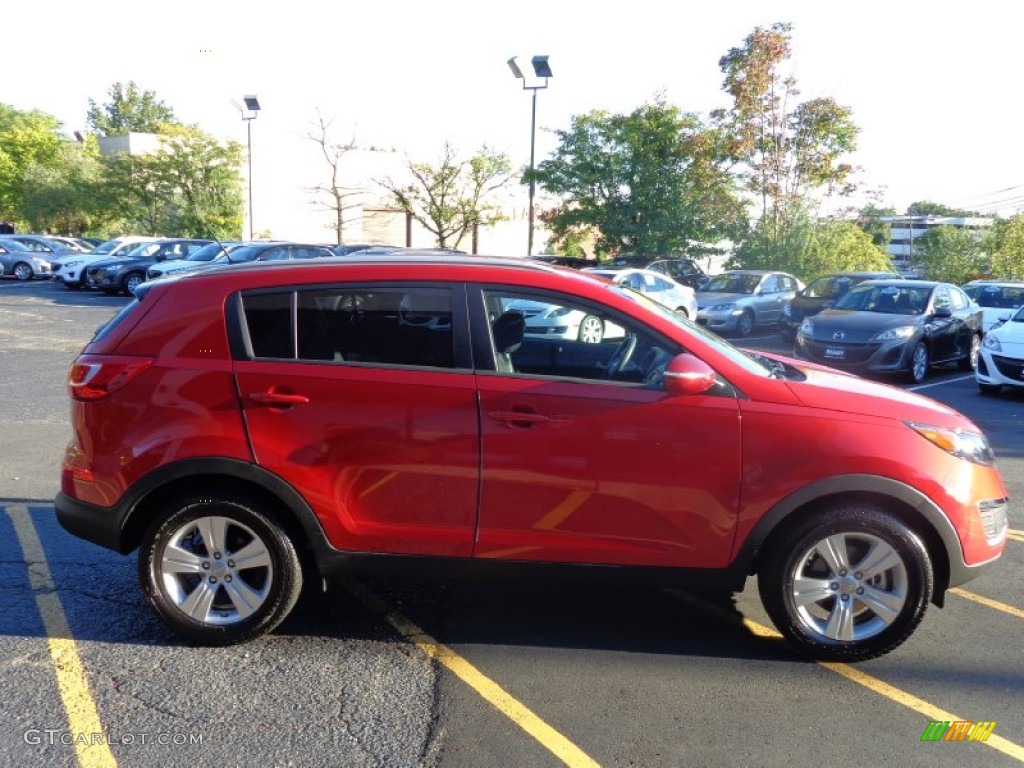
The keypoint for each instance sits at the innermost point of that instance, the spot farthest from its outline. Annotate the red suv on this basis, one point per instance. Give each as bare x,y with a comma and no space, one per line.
246,426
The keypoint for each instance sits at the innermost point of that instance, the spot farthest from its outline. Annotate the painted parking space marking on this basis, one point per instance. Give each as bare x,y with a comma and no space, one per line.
988,602
490,691
874,684
83,717
919,387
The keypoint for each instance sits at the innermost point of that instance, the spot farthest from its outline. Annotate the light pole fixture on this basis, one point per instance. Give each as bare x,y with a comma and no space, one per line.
542,70
249,113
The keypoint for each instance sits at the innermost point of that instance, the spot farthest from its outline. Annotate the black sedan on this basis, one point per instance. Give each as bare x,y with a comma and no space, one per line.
894,326
821,293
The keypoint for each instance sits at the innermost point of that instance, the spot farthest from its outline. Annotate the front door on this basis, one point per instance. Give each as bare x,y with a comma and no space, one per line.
586,459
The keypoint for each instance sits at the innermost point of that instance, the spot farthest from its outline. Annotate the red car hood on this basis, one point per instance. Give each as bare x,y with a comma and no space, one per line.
837,391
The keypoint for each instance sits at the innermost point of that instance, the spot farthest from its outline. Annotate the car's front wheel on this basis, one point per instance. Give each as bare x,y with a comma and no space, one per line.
218,570
919,362
848,585
131,282
745,323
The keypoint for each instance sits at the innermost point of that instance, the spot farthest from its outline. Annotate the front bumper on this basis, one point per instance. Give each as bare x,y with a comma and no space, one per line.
719,321
999,370
882,357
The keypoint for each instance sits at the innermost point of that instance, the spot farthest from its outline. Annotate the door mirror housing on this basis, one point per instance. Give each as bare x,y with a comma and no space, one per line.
688,375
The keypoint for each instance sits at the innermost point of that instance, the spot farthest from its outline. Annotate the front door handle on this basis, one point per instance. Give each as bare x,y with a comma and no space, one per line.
278,398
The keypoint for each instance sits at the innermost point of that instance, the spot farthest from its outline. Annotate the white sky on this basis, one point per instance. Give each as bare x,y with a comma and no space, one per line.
932,86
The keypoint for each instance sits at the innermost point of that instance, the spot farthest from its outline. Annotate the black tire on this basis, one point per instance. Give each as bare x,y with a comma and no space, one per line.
209,599
745,323
131,281
832,621
970,362
990,389
920,359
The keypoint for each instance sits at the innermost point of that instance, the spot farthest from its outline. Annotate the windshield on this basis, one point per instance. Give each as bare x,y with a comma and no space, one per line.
996,296
735,282
211,251
831,287
757,364
144,251
888,299
246,253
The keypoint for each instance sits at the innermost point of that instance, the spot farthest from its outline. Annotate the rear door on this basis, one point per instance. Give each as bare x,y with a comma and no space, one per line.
356,396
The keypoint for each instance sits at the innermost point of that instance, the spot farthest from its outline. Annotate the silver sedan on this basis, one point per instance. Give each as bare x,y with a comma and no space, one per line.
18,261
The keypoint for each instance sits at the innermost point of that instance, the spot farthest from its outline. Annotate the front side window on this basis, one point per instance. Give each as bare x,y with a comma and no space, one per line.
559,336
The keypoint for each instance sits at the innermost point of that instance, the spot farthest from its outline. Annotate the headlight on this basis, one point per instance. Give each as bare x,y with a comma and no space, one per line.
559,312
74,263
722,308
972,446
903,332
991,342
807,327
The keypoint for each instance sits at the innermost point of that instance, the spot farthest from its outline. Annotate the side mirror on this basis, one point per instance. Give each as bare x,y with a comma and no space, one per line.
943,312
688,375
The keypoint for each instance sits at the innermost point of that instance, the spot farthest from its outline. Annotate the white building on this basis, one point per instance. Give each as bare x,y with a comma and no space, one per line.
908,229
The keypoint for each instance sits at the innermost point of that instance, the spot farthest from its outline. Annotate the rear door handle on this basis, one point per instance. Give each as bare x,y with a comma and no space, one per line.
519,418
278,398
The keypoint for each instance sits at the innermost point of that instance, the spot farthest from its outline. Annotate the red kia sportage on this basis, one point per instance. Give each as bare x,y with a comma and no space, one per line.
243,426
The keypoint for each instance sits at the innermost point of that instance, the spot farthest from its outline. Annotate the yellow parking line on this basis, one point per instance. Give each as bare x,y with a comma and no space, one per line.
83,718
1015,536
988,602
853,674
493,693
1015,532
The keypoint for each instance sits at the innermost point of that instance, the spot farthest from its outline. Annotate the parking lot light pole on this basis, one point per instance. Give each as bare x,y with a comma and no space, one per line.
541,69
249,113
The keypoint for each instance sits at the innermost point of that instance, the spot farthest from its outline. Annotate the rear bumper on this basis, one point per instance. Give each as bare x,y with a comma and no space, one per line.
98,525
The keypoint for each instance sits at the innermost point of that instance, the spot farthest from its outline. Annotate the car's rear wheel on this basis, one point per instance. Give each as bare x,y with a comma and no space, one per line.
970,362
218,570
745,323
591,329
847,585
919,362
22,271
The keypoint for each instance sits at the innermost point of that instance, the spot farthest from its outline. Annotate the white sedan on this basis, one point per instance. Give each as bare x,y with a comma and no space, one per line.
655,285
1001,358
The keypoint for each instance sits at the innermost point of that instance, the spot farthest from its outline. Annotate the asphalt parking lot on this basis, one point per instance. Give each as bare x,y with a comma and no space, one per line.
397,672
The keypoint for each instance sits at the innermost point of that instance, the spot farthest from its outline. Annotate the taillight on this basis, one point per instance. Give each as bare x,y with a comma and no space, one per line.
92,381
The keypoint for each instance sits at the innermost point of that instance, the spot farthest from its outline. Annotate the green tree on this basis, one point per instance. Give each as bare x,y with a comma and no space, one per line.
951,254
60,194
653,182
929,208
813,247
129,109
27,140
451,198
787,151
870,220
1005,245
190,187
